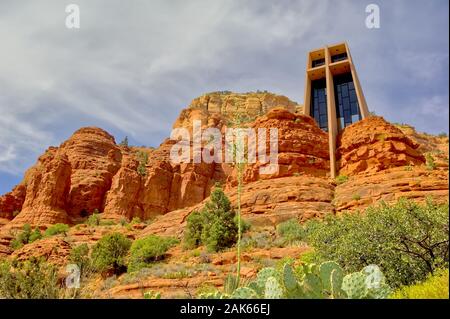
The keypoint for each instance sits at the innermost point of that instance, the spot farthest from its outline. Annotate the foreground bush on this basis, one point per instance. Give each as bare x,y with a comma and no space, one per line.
311,281
407,240
32,279
108,254
147,250
435,287
214,226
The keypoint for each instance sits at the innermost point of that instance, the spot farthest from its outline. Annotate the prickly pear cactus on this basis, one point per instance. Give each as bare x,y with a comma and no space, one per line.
244,293
375,282
273,289
254,286
374,276
289,279
317,281
354,285
212,295
264,274
368,283
309,269
291,285
325,270
312,286
336,278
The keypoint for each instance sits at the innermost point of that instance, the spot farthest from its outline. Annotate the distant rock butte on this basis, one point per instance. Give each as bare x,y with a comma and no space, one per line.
90,172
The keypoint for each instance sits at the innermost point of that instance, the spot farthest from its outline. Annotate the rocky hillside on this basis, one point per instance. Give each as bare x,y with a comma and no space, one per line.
91,173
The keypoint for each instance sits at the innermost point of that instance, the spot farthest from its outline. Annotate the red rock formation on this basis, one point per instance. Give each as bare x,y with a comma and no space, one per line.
12,202
389,185
54,250
122,198
69,182
47,190
373,145
165,186
90,172
302,146
95,159
269,202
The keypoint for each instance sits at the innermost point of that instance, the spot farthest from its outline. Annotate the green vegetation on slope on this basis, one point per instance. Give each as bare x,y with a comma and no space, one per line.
214,226
407,240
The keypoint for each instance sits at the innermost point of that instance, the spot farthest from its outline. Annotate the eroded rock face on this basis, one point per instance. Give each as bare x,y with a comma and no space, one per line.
389,185
165,186
69,182
12,202
91,172
373,145
302,146
251,104
54,250
122,198
95,159
269,202
47,190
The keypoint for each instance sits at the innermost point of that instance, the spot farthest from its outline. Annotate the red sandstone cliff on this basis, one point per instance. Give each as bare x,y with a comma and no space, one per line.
90,172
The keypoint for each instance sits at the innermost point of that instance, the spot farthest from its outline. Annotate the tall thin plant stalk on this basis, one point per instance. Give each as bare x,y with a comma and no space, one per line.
240,169
237,120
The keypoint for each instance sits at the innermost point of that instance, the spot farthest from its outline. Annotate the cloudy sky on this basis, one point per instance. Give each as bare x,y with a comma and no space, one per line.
133,65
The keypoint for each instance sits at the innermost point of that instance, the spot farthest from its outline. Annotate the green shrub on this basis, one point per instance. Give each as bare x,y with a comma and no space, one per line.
124,142
214,226
407,240
356,197
93,220
262,239
143,160
147,250
108,254
136,220
123,221
31,279
35,235
434,287
310,257
341,179
79,255
194,229
245,225
430,163
26,236
56,229
291,231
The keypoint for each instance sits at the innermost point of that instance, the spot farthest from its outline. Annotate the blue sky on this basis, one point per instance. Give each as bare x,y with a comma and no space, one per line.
133,65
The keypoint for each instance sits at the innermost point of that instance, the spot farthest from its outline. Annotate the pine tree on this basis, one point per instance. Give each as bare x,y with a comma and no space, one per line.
124,142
